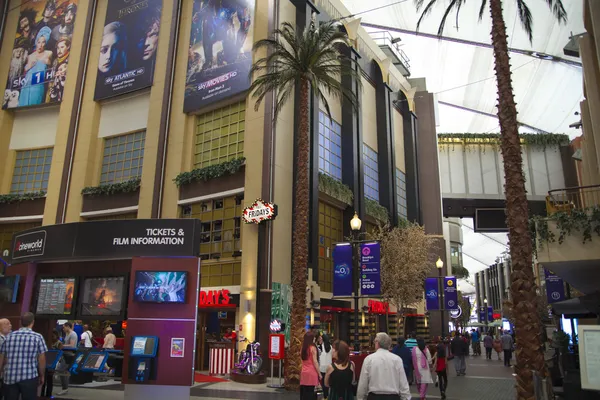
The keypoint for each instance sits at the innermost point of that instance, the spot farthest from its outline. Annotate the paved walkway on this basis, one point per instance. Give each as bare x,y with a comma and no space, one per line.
488,380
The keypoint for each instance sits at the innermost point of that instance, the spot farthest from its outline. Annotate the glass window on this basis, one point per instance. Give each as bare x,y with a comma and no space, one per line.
132,215
330,146
456,254
32,171
401,194
123,158
371,173
8,230
330,232
220,135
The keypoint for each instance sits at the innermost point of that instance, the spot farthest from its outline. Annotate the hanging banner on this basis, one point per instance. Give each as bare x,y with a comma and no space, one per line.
128,47
220,52
432,298
490,314
40,55
482,315
342,270
450,293
555,287
370,269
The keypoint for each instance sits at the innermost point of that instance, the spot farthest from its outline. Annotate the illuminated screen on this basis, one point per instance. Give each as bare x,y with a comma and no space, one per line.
9,287
102,296
56,296
160,286
94,360
143,345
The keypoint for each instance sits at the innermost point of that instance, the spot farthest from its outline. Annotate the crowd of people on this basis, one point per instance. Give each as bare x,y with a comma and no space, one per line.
389,371
23,358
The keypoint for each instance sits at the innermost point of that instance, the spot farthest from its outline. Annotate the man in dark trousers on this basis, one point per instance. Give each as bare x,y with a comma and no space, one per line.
460,350
402,351
507,346
23,361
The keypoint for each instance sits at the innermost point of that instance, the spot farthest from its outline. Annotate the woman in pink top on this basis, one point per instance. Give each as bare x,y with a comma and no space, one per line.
309,378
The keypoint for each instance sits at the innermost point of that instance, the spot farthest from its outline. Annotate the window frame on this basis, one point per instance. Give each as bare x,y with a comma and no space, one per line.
330,142
40,173
113,156
370,172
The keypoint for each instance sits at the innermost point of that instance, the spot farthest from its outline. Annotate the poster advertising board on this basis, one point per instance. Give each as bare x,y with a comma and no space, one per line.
177,347
40,55
220,53
128,48
589,356
370,269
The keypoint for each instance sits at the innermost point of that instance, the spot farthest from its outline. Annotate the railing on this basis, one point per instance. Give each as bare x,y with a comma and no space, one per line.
573,198
384,38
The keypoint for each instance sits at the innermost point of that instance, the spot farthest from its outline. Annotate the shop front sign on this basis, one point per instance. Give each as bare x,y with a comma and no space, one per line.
378,307
214,298
260,211
275,326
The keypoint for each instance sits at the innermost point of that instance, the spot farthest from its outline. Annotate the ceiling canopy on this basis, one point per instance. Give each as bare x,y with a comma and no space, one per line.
460,68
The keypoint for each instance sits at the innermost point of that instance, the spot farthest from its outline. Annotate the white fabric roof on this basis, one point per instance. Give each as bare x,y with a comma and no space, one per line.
547,92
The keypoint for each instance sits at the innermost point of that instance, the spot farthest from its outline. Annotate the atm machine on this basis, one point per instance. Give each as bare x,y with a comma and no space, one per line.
143,363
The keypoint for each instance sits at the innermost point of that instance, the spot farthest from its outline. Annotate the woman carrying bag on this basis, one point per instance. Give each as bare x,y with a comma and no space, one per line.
421,362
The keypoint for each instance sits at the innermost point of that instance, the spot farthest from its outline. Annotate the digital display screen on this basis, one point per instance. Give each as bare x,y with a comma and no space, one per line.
160,286
94,360
9,287
56,296
143,346
102,296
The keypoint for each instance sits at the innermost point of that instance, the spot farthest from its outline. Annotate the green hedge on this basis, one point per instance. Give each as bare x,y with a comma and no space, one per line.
475,139
131,185
376,210
210,172
335,189
17,198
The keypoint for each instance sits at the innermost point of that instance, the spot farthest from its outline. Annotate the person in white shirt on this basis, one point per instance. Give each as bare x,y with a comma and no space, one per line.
110,339
86,337
325,359
382,375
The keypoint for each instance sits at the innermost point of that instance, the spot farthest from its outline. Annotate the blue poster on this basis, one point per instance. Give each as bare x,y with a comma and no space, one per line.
482,315
450,293
431,294
490,314
342,270
555,288
370,277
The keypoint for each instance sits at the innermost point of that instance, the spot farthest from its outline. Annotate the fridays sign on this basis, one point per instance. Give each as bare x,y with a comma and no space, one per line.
259,212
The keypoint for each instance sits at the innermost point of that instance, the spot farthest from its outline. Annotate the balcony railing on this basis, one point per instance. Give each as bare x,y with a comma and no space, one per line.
573,198
399,58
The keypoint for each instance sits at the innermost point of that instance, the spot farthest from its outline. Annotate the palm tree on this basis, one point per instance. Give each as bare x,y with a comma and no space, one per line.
311,63
527,321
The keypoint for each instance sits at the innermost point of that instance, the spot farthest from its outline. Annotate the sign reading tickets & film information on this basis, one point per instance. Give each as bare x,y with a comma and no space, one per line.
220,52
40,54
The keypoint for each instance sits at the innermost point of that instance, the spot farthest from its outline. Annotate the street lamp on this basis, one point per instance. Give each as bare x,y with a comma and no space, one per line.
485,313
440,265
355,224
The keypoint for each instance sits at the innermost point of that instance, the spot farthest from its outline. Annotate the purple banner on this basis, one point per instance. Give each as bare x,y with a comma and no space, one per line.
555,288
431,294
342,270
482,315
450,293
490,314
370,277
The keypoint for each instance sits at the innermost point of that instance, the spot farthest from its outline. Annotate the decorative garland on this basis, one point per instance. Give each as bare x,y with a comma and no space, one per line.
335,189
583,221
376,210
129,186
210,172
466,140
17,198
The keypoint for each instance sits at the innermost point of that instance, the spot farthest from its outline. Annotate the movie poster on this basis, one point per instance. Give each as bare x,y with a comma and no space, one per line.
128,48
102,296
40,56
220,53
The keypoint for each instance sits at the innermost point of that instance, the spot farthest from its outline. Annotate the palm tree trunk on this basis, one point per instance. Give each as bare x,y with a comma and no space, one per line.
527,323
300,244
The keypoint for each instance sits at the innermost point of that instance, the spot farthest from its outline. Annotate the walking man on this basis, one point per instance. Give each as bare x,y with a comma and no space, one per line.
488,343
460,349
5,328
382,375
23,361
507,346
404,353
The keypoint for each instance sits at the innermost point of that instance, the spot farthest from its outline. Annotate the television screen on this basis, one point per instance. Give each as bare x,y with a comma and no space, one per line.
160,286
143,345
103,296
9,288
56,296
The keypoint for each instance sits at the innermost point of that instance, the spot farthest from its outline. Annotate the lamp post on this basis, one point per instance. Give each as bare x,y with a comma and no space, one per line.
355,224
440,265
485,306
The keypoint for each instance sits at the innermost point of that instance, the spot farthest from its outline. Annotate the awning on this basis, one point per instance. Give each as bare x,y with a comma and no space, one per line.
587,306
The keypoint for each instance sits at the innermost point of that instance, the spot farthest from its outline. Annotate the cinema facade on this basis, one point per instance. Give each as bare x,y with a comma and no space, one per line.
182,140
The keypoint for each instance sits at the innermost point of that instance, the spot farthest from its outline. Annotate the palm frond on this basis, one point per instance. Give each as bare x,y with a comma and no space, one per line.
426,11
526,18
449,9
482,9
558,10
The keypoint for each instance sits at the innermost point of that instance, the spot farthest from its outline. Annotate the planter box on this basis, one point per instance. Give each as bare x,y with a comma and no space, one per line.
108,202
216,185
23,208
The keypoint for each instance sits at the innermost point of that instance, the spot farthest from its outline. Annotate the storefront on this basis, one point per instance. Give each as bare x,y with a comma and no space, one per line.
144,272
